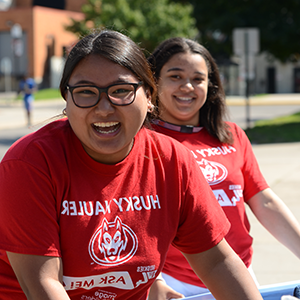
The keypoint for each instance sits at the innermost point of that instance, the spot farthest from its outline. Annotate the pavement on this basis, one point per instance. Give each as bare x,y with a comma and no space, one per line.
280,164
13,115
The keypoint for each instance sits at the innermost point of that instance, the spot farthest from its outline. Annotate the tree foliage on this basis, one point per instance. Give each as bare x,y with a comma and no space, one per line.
146,22
278,22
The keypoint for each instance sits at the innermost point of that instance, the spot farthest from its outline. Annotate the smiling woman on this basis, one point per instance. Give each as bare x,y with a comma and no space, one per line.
192,110
106,131
83,200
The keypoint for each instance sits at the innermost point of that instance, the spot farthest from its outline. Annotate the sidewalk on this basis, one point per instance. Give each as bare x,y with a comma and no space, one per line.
268,99
13,114
280,165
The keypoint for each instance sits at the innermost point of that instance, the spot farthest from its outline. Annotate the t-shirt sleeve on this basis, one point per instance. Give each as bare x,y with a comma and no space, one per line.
254,181
28,212
203,223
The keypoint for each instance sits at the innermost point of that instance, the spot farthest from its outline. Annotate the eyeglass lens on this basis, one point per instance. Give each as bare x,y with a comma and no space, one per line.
122,94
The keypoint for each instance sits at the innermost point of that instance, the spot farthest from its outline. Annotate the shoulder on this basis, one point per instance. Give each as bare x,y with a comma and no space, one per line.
168,146
163,140
241,140
236,130
48,139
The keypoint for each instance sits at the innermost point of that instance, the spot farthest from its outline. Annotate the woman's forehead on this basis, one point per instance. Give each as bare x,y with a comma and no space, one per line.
97,69
191,62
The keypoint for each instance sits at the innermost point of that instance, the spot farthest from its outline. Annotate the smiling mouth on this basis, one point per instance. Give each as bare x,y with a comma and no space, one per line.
106,127
184,99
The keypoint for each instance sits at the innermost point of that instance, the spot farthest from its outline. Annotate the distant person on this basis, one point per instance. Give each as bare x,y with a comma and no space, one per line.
192,110
27,87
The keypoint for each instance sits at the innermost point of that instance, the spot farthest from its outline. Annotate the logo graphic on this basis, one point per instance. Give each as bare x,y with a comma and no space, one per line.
113,243
213,172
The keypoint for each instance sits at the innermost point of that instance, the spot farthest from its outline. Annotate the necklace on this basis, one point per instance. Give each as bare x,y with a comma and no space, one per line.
179,128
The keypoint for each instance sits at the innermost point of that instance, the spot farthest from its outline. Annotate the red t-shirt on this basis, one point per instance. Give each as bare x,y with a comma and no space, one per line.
111,224
234,177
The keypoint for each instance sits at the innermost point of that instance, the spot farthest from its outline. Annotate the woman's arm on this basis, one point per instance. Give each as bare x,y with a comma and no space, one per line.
40,277
275,216
224,274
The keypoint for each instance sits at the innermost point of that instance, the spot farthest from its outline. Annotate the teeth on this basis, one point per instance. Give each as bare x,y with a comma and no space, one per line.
101,125
106,124
184,99
106,132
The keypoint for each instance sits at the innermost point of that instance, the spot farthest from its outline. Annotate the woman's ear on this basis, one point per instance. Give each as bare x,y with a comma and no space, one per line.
150,106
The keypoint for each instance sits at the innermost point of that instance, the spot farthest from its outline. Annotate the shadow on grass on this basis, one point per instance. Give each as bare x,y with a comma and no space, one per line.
274,133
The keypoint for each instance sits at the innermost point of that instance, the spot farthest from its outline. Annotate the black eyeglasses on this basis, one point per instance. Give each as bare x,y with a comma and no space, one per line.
120,94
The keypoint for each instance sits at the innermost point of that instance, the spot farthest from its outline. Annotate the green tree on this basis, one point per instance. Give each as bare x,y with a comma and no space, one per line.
146,22
278,22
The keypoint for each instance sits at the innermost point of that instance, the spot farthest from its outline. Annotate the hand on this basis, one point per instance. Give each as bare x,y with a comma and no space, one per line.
161,291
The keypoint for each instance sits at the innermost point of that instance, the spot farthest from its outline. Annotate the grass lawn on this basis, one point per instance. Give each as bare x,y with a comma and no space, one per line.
279,130
45,94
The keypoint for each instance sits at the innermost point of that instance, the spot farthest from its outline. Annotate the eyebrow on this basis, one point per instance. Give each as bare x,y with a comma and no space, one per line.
84,82
87,82
179,69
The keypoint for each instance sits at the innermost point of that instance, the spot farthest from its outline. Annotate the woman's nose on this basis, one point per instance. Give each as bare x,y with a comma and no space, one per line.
104,106
187,85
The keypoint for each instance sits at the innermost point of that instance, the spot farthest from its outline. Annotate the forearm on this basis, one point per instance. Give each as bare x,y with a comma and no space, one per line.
224,274
46,290
276,217
40,277
234,281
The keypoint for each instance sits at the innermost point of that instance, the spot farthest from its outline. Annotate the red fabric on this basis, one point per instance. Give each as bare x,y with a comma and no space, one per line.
57,201
234,176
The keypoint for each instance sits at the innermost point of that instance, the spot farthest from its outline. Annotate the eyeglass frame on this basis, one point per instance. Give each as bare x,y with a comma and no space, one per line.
135,85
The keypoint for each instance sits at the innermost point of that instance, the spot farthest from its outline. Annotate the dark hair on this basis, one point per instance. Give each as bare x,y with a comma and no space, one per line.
116,47
213,112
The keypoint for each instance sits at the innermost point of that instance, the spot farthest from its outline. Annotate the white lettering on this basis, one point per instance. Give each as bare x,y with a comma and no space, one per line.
119,203
80,213
151,275
72,206
90,208
137,203
222,198
100,209
65,206
144,204
120,280
155,201
91,212
195,156
232,148
146,268
130,204
224,150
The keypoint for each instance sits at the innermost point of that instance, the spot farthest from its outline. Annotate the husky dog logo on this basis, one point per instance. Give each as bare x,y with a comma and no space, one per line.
213,172
113,243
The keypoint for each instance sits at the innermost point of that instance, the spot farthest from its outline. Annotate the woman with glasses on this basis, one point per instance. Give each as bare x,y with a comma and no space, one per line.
192,110
91,203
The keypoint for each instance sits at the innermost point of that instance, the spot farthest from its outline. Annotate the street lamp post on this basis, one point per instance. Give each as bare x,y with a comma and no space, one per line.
17,46
246,45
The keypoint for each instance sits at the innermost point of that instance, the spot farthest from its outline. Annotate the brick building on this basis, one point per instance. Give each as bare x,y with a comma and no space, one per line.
33,39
